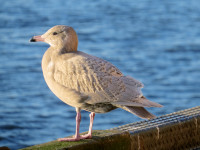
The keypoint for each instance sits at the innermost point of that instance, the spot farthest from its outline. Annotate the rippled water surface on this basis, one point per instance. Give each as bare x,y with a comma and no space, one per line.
157,42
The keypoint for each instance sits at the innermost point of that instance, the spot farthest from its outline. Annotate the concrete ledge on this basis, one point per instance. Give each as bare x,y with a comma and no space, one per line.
102,139
179,130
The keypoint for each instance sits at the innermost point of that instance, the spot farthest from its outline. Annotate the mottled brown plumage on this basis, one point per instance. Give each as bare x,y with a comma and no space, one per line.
88,82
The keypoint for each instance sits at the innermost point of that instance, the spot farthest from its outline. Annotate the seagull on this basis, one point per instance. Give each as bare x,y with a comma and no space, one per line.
87,82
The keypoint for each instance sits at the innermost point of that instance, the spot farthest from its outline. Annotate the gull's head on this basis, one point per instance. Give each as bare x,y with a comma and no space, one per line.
60,37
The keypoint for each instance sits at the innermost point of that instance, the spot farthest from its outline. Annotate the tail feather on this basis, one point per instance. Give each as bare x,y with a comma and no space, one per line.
139,102
139,111
148,103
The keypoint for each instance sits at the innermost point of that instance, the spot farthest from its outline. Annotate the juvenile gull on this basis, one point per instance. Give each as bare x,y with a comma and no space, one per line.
88,82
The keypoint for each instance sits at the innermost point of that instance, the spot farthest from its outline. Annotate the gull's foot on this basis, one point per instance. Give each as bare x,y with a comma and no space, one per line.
69,139
86,136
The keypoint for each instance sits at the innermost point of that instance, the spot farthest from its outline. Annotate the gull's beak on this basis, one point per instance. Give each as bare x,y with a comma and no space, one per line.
37,39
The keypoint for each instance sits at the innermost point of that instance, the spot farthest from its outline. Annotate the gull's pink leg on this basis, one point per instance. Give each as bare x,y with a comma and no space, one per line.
77,135
89,135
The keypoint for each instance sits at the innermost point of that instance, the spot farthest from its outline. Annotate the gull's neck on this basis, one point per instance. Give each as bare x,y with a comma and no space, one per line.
63,49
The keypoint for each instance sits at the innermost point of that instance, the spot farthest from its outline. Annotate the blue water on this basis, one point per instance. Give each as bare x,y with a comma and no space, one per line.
157,42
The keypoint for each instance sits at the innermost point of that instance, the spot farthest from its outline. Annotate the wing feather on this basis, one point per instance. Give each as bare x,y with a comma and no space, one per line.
96,78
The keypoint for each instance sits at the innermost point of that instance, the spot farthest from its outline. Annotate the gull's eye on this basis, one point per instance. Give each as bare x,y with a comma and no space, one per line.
55,33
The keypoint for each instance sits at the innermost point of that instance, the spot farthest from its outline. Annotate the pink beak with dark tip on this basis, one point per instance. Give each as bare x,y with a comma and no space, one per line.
37,39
